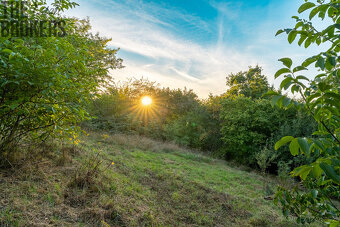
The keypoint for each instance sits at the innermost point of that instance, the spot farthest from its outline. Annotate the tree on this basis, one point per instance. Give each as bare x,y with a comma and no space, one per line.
249,83
46,82
321,99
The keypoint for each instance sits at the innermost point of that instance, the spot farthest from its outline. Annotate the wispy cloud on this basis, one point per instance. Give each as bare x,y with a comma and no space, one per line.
175,47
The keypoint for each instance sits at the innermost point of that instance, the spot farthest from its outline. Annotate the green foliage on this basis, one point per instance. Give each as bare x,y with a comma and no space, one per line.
250,83
246,126
190,129
321,177
265,157
175,114
46,82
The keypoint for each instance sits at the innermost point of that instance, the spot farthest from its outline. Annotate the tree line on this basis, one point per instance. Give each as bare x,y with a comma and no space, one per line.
239,125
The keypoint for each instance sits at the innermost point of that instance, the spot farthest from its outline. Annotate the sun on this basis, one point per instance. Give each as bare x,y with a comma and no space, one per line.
146,101
146,109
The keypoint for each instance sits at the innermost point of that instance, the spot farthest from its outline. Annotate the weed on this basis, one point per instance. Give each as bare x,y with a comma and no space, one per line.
58,189
50,199
91,168
8,217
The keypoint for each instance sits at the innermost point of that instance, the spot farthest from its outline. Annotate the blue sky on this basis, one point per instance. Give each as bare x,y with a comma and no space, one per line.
195,43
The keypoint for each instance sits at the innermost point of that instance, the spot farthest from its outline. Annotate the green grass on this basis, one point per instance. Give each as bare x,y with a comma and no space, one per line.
150,184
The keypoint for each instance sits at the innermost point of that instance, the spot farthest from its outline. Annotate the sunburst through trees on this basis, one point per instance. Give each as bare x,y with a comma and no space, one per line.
146,109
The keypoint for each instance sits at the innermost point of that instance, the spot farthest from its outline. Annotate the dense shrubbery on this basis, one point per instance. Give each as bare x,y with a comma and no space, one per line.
46,81
250,125
247,125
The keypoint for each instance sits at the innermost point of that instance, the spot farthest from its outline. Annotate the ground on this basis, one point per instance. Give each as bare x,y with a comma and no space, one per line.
122,180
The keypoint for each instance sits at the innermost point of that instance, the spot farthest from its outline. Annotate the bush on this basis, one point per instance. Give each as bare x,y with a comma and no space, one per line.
250,128
246,126
46,82
189,129
265,157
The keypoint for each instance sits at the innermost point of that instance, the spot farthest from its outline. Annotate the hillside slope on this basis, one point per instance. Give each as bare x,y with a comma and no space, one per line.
139,182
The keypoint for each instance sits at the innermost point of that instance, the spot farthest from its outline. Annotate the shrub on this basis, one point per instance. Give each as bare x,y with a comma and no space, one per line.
246,126
46,82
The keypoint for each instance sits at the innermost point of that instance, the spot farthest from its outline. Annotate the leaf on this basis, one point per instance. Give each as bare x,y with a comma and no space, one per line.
323,10
315,193
331,11
7,51
332,60
321,63
319,144
332,95
285,82
308,42
299,68
305,6
311,97
323,86
279,32
302,171
334,223
317,171
13,106
294,147
309,61
276,99
318,41
292,36
283,141
281,71
330,172
294,89
286,101
299,24
304,146
270,93
11,56
314,12
287,62
302,78
302,38
329,30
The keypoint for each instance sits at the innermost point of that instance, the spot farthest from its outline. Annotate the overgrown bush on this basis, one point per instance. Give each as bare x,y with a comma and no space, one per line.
46,82
246,126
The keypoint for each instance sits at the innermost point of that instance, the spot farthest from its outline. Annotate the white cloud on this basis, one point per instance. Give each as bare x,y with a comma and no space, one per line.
166,56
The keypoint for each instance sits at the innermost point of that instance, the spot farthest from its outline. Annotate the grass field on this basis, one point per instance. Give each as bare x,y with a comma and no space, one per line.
149,183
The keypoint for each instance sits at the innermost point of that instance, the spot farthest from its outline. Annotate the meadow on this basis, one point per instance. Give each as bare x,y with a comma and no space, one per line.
139,182
80,148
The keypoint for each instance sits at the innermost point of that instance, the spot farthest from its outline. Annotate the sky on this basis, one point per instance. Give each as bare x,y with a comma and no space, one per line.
197,43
